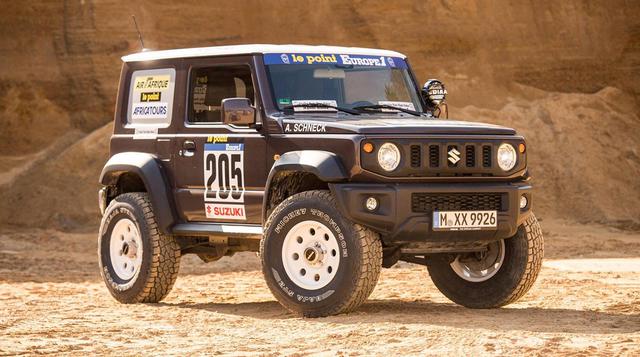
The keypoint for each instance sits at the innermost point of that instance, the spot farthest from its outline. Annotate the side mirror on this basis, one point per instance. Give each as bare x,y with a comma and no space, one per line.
238,111
434,94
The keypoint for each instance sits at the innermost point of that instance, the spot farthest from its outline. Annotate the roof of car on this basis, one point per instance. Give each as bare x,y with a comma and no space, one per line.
253,49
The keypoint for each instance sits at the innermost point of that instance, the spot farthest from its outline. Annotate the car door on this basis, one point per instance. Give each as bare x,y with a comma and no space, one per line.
220,170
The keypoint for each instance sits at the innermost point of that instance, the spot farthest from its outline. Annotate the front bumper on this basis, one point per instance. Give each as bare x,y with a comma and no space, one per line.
398,223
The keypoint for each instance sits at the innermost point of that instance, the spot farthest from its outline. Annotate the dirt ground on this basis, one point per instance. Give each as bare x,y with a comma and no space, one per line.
585,302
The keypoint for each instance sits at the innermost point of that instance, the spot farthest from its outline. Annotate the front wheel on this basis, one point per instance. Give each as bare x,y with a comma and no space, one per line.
315,261
498,276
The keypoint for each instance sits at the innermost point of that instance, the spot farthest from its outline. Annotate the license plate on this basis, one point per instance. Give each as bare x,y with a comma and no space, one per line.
464,220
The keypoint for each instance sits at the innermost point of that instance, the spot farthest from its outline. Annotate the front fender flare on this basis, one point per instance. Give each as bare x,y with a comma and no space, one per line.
151,172
325,165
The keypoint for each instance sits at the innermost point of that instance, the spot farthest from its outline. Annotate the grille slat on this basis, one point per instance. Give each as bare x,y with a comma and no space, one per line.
429,202
486,156
416,156
434,155
470,154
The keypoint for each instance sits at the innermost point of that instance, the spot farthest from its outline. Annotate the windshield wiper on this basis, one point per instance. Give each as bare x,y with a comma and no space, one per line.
321,105
386,106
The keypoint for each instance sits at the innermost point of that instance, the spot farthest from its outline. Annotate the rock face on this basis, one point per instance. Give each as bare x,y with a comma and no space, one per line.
566,74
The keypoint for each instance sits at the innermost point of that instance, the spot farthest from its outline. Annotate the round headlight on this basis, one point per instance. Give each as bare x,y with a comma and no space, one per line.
388,156
506,157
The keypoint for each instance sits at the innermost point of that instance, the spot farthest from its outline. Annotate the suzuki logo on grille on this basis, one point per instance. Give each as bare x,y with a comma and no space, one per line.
454,156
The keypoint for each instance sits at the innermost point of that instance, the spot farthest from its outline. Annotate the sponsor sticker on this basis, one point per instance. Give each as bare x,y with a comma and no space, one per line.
333,58
299,105
151,97
145,133
224,180
403,105
149,111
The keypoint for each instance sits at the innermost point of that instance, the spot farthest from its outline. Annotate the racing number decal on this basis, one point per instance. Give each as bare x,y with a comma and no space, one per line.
224,181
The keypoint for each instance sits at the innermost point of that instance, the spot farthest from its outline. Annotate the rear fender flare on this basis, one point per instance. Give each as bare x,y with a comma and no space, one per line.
151,172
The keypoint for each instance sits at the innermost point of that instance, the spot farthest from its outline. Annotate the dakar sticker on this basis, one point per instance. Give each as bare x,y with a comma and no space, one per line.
224,181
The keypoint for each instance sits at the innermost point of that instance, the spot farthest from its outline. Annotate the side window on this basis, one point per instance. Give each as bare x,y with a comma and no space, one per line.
151,97
210,85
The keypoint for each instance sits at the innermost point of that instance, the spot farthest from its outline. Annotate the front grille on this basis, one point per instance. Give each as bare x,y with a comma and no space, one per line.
416,157
443,157
429,202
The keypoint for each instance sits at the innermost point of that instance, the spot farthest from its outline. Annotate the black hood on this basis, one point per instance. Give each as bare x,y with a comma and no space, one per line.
388,125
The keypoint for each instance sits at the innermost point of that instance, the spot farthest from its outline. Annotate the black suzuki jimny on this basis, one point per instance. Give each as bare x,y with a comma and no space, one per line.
331,162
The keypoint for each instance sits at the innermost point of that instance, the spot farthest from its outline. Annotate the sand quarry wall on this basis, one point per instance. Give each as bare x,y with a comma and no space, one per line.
565,74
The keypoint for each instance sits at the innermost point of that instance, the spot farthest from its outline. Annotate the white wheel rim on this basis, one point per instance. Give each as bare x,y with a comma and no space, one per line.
481,268
125,249
310,255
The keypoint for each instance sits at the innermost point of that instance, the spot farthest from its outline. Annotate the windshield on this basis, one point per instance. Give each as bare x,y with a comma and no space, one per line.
321,81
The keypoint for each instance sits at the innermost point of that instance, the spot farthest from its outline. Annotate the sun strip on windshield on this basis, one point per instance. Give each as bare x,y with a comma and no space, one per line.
332,58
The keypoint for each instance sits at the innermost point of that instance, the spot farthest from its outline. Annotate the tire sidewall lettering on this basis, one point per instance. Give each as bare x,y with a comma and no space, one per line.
334,225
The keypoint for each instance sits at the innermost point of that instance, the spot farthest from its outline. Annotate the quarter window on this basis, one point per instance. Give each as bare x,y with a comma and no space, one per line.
151,98
209,86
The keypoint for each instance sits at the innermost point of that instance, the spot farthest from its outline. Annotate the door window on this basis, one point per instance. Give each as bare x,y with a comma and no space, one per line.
210,85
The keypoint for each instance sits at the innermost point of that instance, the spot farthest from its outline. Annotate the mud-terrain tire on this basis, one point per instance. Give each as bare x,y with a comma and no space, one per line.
303,233
131,277
522,261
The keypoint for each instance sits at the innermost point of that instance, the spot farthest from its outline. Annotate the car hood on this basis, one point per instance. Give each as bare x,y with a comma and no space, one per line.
405,125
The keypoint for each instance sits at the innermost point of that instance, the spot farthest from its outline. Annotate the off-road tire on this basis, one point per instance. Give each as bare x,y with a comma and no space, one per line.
356,276
160,253
522,263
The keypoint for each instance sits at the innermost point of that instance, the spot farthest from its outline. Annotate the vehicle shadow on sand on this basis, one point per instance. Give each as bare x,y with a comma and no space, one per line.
533,319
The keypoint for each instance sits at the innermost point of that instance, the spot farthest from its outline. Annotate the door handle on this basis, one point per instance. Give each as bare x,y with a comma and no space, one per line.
188,149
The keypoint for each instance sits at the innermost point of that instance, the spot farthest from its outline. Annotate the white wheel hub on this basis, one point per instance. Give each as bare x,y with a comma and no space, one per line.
481,266
125,249
310,255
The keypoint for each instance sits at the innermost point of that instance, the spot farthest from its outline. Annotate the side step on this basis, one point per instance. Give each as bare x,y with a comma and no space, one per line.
218,229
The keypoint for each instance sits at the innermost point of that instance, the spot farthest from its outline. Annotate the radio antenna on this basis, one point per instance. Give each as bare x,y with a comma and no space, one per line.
139,33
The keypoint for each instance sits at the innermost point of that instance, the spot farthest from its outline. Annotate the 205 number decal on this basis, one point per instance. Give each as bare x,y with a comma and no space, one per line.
224,181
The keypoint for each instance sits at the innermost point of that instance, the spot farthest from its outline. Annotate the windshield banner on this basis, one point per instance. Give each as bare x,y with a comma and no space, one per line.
338,59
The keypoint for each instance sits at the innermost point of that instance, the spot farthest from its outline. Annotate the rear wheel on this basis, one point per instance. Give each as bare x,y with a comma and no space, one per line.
495,277
316,262
137,262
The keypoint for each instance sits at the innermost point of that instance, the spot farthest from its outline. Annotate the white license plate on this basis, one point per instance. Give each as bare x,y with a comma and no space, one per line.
464,220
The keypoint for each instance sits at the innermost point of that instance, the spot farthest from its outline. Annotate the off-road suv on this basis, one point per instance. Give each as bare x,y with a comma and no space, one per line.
331,162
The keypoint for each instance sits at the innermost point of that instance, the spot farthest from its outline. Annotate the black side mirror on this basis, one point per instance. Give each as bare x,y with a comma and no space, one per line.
434,94
238,111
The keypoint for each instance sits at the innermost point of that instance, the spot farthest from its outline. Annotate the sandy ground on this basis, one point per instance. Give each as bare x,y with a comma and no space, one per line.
586,302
